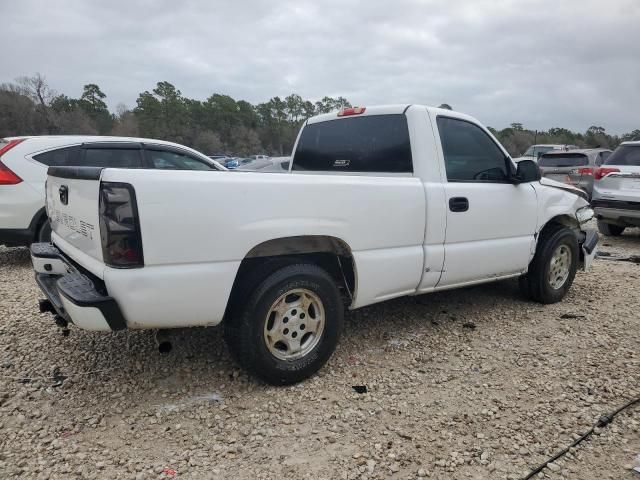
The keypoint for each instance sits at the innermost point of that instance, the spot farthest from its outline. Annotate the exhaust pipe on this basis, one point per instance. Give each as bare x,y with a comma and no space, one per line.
163,342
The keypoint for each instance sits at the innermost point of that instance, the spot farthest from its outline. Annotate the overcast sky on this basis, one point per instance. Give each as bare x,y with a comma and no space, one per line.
544,63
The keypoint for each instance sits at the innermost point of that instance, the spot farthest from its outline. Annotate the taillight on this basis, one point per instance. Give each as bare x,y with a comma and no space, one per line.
346,112
7,177
604,171
585,171
120,226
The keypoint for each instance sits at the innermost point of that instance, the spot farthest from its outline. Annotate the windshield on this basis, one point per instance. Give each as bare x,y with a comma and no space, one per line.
563,160
535,151
628,155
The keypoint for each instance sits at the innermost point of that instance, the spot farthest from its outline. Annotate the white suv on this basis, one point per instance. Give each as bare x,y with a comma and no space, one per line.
23,172
616,190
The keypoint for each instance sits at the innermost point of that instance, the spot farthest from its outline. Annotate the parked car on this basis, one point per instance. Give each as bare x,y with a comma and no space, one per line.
232,163
575,167
271,165
347,225
23,171
616,191
260,157
534,151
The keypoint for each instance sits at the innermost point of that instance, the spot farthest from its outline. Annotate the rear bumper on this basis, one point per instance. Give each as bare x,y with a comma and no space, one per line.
617,210
14,237
75,296
616,205
22,237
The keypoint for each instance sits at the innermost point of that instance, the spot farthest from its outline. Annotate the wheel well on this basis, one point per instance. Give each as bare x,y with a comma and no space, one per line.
329,253
37,221
560,221
563,220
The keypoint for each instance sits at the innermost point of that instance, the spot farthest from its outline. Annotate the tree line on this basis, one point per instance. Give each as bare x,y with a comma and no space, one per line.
219,124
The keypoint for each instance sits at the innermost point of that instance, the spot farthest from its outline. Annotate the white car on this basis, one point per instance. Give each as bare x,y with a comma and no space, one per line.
534,151
378,203
616,190
23,172
270,165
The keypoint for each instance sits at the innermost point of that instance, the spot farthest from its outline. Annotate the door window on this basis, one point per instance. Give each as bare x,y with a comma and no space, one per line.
470,155
169,160
112,157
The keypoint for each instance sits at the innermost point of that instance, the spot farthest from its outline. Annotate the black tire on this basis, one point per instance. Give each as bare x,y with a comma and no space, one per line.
536,284
244,332
44,234
609,229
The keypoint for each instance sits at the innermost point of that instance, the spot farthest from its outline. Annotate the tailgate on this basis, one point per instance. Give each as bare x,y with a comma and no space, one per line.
73,209
623,185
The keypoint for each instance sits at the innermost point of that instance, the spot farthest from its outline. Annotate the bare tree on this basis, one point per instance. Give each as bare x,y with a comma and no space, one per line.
37,89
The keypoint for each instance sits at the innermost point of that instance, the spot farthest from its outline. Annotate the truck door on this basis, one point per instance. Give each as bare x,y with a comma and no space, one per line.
491,222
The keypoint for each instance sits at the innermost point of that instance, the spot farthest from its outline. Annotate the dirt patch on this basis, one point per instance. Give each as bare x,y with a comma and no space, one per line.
473,383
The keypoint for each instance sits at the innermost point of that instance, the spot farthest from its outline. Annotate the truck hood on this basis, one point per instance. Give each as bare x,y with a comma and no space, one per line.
563,186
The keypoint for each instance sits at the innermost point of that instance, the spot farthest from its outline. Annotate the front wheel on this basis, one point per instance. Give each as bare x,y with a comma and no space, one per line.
553,267
289,326
609,229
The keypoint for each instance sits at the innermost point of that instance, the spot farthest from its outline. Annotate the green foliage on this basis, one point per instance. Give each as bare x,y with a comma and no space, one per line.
516,139
218,124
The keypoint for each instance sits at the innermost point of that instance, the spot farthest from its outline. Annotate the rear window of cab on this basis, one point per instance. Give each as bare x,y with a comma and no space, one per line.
375,143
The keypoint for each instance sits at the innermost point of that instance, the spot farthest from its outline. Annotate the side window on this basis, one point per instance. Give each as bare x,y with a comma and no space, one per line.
375,143
112,157
60,157
470,155
168,160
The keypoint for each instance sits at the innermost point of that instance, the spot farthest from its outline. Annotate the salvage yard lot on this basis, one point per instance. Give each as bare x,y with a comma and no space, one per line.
473,383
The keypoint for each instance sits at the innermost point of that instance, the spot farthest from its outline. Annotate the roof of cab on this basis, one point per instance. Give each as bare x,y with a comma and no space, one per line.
388,110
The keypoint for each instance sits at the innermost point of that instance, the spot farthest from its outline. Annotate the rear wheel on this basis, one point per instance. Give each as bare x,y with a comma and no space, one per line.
609,229
289,326
553,267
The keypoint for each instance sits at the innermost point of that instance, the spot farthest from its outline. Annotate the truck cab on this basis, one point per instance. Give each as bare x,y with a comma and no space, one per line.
378,202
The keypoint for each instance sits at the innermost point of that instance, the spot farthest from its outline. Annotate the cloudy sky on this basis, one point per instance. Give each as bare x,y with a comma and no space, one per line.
544,63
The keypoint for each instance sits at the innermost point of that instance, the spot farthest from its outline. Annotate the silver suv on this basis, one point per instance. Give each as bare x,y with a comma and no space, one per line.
574,167
616,191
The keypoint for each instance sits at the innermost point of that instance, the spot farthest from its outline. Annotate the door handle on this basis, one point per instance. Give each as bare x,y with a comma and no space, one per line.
458,204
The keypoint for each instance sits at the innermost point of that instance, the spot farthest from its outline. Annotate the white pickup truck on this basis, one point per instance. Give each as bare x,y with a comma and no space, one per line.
378,203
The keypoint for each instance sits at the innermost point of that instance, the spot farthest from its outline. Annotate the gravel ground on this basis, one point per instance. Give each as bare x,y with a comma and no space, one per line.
474,383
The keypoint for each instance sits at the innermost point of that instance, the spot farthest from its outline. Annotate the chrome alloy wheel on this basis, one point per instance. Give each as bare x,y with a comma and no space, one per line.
294,324
559,267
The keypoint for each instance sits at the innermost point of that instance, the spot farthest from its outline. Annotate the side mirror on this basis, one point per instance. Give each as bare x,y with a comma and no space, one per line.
527,171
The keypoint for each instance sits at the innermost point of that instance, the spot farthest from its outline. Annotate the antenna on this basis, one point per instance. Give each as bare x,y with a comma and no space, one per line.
535,141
